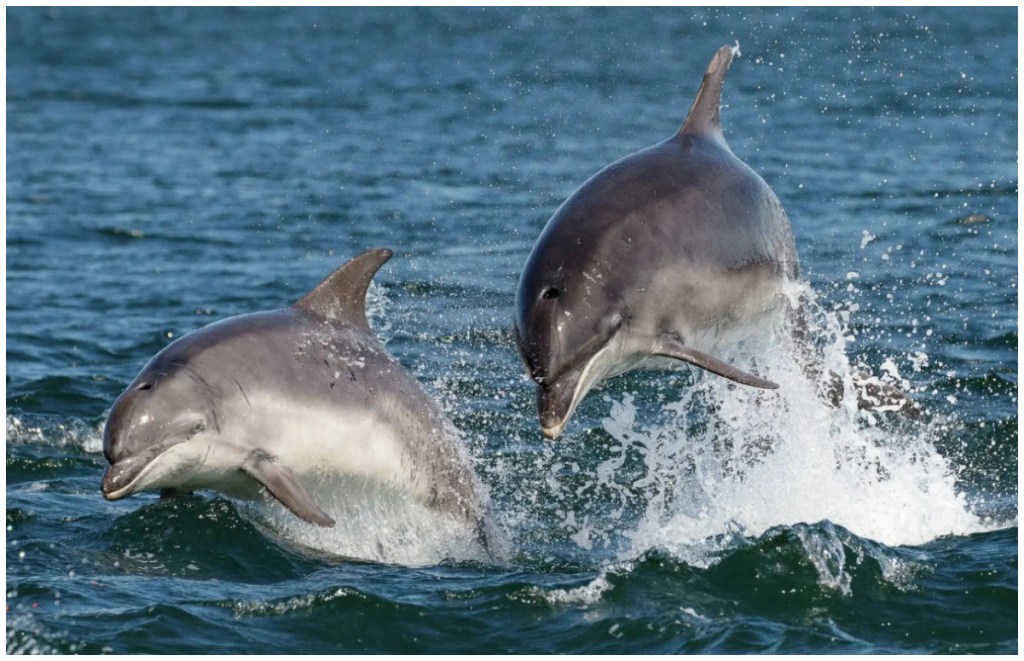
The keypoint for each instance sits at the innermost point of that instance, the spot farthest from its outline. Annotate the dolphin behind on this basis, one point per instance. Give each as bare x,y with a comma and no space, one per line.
671,252
678,251
283,401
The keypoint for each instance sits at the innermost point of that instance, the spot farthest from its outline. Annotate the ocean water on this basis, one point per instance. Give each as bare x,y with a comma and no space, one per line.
167,168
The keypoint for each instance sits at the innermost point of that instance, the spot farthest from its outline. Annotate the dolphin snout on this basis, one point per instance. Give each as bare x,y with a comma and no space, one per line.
115,477
126,474
552,432
554,406
118,477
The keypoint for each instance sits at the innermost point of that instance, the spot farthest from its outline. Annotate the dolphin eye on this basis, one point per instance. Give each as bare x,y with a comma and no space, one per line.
145,386
199,427
551,292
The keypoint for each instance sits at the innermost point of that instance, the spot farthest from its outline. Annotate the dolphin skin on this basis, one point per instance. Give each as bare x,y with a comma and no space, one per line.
671,252
272,402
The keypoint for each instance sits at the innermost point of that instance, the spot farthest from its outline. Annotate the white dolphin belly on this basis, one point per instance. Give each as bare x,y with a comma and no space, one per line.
318,441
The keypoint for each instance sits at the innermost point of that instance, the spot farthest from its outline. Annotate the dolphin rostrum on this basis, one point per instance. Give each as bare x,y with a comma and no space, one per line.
274,402
672,252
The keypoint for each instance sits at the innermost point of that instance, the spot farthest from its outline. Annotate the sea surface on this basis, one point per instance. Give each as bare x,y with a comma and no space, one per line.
168,168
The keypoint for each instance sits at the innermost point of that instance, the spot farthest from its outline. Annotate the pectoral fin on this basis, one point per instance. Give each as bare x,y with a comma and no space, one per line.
672,347
282,485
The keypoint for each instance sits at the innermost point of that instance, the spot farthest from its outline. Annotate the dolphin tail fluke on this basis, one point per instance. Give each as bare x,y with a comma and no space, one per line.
282,485
670,346
343,293
704,118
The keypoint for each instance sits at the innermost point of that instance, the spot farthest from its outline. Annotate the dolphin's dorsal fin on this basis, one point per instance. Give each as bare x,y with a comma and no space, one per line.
343,293
703,118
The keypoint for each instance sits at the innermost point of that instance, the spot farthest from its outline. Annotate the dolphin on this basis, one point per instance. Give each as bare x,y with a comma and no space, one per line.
671,252
272,403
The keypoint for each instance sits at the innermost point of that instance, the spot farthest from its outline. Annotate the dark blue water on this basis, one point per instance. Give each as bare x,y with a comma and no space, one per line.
169,168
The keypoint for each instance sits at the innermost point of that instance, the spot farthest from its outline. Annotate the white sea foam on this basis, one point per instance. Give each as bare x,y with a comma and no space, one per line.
727,460
376,523
584,595
377,305
287,605
64,433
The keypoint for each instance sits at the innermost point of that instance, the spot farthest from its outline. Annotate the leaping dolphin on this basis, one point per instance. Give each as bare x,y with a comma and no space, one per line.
673,251
272,402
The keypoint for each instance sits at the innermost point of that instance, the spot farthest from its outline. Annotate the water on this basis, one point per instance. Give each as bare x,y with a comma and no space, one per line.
169,168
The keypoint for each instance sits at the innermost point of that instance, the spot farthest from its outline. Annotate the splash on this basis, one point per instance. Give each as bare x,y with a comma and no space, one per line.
70,433
377,304
288,605
720,461
25,635
584,595
376,523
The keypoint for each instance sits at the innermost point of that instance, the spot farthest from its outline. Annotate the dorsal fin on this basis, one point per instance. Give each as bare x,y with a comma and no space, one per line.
344,291
703,118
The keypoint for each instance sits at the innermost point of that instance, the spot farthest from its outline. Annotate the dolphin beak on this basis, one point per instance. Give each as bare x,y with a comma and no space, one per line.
555,404
122,477
554,430
118,478
557,399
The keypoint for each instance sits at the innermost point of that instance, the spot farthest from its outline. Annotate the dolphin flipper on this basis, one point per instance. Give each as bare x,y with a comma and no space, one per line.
670,346
282,485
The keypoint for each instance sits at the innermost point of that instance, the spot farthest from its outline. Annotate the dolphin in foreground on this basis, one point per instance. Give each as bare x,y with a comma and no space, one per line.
273,402
672,252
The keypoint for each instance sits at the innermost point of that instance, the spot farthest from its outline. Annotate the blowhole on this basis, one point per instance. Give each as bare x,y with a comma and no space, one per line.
551,292
145,386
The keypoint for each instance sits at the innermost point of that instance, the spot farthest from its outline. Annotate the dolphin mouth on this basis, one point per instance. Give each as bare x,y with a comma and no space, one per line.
121,478
554,431
556,403
557,400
